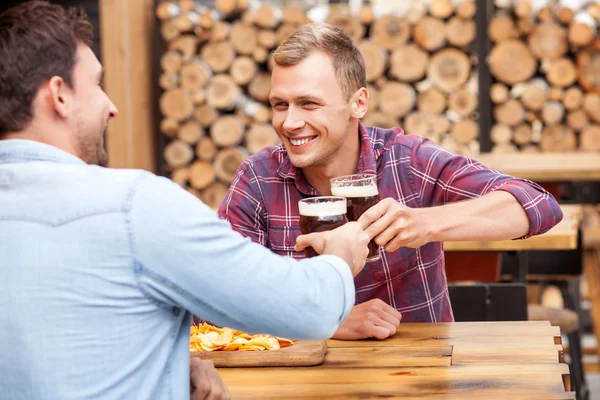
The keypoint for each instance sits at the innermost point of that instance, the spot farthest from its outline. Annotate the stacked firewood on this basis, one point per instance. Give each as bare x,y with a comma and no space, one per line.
215,79
545,60
422,73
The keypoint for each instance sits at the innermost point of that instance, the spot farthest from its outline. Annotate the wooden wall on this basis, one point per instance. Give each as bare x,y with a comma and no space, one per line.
127,29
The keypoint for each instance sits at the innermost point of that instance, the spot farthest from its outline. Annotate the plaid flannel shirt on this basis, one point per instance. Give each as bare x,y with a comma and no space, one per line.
262,204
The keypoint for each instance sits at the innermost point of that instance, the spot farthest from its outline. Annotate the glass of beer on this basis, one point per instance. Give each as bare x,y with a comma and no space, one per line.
318,214
360,190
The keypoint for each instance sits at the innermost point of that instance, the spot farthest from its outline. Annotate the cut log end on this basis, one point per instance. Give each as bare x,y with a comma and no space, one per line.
408,63
548,41
510,113
562,72
430,33
391,31
214,194
465,130
449,69
511,62
501,134
176,104
590,138
227,162
375,59
396,99
206,149
260,136
219,55
463,101
243,70
502,28
499,93
260,87
243,38
227,130
558,138
466,9
201,174
417,123
460,32
190,132
222,92
178,154
432,101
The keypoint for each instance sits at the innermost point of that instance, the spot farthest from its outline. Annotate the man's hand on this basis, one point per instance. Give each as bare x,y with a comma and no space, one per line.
394,225
205,382
349,242
373,318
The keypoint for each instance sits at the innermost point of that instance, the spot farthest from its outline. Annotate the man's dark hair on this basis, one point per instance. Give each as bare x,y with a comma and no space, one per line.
38,40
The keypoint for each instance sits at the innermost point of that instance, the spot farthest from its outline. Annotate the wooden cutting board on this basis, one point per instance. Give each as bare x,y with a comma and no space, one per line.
301,353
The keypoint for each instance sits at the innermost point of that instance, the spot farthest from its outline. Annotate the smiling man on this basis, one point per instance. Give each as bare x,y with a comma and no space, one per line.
429,195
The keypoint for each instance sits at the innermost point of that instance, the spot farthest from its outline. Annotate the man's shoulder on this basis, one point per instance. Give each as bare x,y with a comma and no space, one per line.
117,180
385,139
266,162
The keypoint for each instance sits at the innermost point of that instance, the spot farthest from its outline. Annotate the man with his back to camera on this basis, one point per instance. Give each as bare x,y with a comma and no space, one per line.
101,269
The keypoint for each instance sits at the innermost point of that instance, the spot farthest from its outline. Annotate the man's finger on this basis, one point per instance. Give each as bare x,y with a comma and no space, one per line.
380,332
218,389
391,310
372,215
390,319
309,240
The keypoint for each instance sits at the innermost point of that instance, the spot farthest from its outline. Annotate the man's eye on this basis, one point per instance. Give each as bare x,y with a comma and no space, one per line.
308,103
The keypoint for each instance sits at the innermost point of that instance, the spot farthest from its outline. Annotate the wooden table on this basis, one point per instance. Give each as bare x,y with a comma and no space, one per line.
546,167
461,360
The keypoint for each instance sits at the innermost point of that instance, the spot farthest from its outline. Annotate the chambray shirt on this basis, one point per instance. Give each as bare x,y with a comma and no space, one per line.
100,270
262,204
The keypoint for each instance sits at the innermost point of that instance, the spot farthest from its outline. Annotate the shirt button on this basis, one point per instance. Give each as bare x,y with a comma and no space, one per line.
380,275
287,242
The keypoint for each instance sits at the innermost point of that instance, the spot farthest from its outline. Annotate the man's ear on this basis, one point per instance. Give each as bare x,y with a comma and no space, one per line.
59,96
360,103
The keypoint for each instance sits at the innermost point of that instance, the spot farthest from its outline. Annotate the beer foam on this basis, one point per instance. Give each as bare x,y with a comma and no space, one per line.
355,191
322,209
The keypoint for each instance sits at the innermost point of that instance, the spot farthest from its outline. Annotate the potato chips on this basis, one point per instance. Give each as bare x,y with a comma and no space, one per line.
207,337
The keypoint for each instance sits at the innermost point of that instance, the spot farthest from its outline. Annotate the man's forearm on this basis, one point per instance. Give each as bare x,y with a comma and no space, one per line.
494,216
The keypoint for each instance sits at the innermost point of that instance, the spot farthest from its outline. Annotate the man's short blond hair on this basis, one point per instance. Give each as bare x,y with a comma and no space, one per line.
347,60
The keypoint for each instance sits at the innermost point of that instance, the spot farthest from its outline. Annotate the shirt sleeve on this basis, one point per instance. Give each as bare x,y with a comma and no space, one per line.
441,177
185,256
243,206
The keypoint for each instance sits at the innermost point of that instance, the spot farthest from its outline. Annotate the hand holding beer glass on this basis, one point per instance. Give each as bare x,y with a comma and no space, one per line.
324,225
319,214
361,193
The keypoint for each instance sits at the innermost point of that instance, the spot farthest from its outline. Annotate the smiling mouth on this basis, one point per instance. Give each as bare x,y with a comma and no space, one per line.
300,142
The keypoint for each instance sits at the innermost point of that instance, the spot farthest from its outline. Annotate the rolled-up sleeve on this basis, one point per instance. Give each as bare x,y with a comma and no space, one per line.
441,177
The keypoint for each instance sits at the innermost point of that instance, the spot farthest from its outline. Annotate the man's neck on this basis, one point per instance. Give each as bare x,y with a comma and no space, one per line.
342,163
39,135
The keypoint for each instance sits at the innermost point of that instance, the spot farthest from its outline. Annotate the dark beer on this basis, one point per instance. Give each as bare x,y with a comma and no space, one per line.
359,199
319,214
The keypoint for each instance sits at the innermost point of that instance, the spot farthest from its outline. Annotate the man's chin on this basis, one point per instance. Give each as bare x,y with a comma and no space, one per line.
300,162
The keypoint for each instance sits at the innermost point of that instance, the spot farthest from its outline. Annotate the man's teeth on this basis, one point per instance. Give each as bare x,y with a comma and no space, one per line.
300,142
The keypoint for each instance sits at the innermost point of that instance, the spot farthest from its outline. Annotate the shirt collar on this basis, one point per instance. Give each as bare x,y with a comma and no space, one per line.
23,150
365,164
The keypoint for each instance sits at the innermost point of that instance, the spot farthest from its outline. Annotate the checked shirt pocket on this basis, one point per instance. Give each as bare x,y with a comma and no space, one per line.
282,240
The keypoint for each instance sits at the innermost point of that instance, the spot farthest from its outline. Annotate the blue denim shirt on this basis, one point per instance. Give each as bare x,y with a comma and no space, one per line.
100,270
